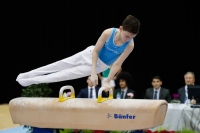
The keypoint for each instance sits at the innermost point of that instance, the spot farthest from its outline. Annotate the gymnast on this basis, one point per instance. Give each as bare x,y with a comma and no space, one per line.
112,48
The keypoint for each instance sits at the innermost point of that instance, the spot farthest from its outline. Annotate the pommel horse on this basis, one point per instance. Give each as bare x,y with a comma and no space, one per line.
91,114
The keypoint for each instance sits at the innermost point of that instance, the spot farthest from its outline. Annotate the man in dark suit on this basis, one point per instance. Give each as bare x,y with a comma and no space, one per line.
157,92
90,91
124,92
189,78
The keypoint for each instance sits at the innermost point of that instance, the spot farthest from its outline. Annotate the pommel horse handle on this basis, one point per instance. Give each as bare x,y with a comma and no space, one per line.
61,98
100,99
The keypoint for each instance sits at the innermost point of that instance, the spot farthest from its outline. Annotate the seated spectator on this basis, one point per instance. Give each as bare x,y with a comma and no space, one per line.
124,92
90,91
157,92
189,78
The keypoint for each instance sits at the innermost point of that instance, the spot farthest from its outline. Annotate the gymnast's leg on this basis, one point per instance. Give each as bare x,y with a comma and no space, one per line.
80,58
67,74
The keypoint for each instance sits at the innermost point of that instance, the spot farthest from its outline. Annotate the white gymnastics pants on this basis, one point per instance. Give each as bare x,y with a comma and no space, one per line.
73,67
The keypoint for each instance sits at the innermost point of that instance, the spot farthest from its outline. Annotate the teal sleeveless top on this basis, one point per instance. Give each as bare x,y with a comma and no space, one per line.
110,52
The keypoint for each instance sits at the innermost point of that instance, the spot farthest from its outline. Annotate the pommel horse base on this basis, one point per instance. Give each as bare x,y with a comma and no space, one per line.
91,114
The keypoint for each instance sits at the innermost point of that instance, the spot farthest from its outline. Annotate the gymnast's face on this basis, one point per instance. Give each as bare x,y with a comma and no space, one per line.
126,36
156,83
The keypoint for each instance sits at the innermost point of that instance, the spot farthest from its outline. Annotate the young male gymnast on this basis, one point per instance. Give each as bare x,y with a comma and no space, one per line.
112,48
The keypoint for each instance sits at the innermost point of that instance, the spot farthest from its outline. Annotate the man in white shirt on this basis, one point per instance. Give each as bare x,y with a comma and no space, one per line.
90,91
157,92
124,92
189,78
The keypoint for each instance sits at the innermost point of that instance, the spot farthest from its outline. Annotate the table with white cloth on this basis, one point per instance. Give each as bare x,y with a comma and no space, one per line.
179,116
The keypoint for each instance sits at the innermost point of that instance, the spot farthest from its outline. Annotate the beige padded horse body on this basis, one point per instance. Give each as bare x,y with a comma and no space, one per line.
83,113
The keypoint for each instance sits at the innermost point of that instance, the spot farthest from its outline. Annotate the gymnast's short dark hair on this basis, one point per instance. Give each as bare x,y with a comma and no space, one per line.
131,24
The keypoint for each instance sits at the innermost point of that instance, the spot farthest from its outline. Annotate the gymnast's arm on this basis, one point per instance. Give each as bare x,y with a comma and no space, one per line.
99,75
118,63
100,42
119,71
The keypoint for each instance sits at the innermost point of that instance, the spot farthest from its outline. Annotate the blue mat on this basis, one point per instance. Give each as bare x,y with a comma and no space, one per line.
19,129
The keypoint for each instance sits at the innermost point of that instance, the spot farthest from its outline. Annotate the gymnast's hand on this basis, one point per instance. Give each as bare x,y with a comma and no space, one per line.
106,84
94,79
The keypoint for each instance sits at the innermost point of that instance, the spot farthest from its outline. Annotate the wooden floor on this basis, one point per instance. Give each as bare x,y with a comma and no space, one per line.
5,118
